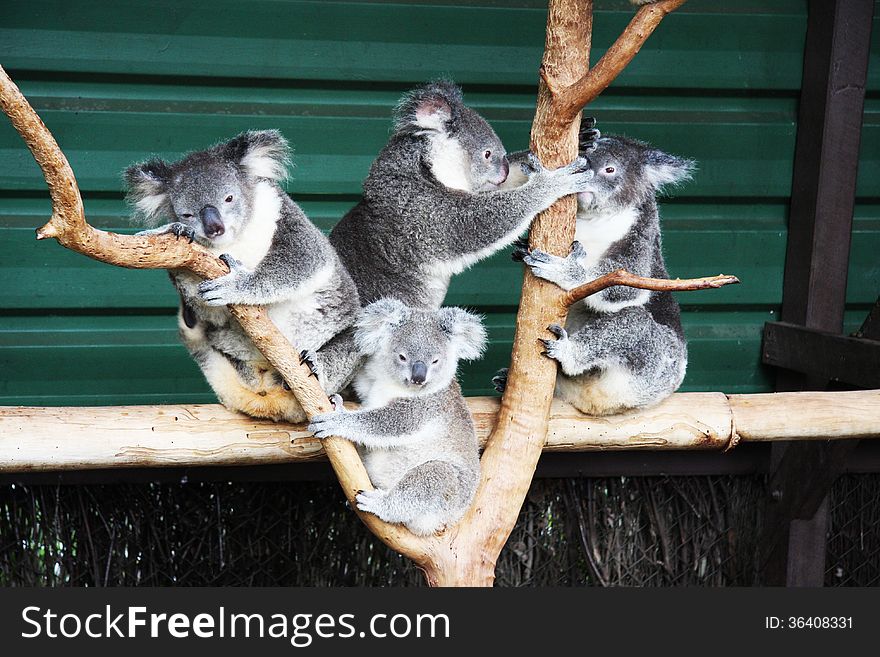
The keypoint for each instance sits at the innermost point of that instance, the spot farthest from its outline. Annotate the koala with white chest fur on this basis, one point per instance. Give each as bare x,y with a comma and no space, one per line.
621,348
435,200
228,199
414,431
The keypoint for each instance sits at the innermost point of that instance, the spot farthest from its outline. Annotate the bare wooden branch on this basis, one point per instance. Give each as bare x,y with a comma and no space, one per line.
68,225
571,99
623,277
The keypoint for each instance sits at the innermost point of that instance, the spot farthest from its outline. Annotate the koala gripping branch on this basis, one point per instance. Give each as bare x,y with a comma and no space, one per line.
68,225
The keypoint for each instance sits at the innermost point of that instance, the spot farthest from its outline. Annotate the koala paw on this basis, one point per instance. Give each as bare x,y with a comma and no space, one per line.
499,381
530,164
182,230
310,359
338,404
327,424
177,229
577,176
556,349
231,262
565,272
549,267
589,134
371,501
220,291
520,249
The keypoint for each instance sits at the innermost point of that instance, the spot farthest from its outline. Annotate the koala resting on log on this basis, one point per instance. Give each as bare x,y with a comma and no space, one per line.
414,431
228,199
435,203
621,348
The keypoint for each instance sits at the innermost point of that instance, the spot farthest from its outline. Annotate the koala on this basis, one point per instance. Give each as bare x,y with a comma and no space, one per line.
414,431
621,348
436,201
228,199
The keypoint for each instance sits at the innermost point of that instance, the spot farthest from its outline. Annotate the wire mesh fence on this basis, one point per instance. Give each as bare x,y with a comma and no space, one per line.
617,531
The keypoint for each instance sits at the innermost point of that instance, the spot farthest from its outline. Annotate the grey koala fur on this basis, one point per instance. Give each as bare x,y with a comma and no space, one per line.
622,348
228,199
414,431
435,201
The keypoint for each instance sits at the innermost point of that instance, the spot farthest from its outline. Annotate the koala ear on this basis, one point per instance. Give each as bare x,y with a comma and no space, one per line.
261,153
376,321
465,330
429,107
148,190
665,169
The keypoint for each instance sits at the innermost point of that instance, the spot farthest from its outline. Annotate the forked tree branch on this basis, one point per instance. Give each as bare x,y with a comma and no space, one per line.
464,554
623,277
569,100
68,225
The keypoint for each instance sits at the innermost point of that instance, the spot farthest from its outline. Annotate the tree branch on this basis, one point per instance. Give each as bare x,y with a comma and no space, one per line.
623,277
68,225
571,99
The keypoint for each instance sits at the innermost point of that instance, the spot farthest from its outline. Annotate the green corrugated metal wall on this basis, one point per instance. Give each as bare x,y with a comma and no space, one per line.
117,81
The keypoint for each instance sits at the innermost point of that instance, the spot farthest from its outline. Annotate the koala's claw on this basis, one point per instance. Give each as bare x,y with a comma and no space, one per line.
577,250
231,262
580,165
325,425
536,256
371,501
589,134
499,381
309,358
338,405
285,385
531,164
182,230
555,348
558,331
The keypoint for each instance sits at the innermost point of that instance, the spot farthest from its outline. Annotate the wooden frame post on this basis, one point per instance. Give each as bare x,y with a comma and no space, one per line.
816,266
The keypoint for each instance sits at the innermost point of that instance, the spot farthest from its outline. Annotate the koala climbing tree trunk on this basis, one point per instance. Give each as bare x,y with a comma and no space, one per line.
463,555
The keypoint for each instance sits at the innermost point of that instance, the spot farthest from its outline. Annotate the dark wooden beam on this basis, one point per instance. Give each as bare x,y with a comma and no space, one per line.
816,266
822,354
870,328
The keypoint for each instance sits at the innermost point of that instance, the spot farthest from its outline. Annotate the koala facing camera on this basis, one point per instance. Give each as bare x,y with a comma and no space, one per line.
414,431
228,199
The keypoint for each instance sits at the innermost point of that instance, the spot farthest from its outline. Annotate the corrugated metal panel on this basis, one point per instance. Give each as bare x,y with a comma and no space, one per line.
116,84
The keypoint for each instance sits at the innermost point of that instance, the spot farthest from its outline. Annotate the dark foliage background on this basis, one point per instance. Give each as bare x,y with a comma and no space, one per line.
650,531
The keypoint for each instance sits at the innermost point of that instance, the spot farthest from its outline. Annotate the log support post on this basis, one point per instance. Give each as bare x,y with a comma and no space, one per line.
816,265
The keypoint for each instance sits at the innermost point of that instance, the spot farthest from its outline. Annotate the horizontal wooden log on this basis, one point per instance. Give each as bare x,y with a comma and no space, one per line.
60,438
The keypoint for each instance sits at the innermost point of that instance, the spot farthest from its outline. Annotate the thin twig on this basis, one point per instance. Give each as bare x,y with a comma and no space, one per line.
623,277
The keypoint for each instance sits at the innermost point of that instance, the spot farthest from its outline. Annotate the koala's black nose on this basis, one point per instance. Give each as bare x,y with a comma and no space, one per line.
211,221
418,373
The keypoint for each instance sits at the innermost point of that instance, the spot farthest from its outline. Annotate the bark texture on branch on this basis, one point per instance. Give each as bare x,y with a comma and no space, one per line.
570,99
